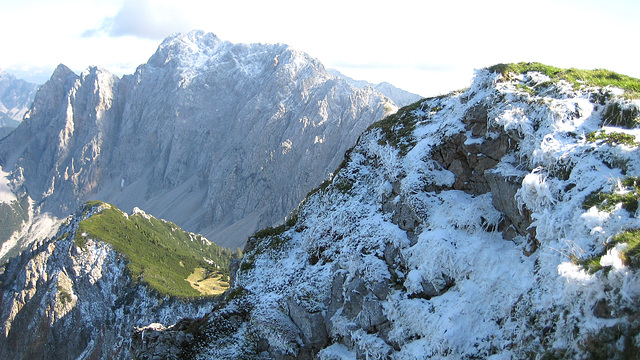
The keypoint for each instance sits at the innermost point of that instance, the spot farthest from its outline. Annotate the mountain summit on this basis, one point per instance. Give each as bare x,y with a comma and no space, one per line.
220,138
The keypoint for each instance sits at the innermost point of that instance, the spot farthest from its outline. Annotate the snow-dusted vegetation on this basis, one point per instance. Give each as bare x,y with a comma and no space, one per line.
464,227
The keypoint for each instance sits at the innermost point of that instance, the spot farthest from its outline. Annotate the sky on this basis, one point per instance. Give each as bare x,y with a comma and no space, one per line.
426,47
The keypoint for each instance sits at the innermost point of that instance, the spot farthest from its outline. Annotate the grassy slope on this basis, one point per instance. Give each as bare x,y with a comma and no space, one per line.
160,254
577,77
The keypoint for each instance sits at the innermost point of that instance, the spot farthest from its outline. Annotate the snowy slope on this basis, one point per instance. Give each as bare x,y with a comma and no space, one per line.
453,230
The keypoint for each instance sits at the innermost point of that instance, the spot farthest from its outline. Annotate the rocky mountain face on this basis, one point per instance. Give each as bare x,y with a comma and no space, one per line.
398,96
496,222
72,297
220,138
15,99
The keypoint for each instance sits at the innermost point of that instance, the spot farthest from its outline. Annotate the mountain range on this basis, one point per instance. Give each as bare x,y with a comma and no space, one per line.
221,138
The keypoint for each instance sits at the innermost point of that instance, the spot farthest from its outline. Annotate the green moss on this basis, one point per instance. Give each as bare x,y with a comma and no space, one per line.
159,253
577,77
612,138
525,88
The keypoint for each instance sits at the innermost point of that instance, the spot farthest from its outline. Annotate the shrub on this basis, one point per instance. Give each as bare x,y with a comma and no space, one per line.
270,231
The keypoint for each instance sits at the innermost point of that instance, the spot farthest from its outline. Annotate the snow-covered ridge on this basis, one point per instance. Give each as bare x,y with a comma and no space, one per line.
464,246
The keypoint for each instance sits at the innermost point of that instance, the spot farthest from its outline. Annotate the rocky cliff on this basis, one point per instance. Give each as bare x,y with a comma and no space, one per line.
221,138
72,296
496,222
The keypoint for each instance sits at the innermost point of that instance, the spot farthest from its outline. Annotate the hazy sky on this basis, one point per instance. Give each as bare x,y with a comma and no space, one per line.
427,47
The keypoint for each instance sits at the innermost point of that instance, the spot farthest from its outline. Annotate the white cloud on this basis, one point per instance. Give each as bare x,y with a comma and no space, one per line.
144,19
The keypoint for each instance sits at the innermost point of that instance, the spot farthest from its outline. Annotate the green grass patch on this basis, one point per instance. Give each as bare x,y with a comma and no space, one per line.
612,138
592,264
160,254
629,256
207,283
577,77
628,197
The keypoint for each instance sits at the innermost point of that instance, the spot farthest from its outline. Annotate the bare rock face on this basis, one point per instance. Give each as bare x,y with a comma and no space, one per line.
220,138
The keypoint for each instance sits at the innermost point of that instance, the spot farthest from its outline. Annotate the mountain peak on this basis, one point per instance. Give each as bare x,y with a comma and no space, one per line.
195,39
186,47
61,73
